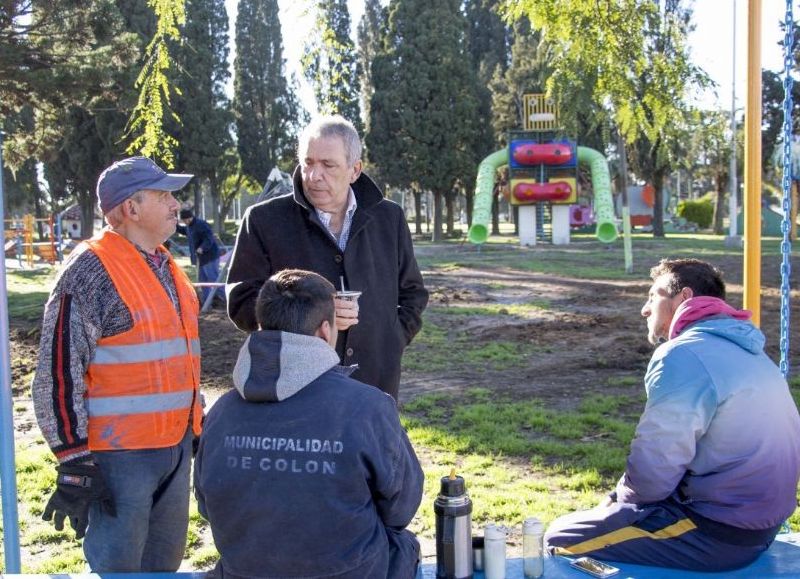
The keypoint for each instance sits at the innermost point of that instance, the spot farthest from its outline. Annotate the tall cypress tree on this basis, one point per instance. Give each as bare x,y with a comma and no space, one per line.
488,40
266,111
371,32
330,62
425,108
201,103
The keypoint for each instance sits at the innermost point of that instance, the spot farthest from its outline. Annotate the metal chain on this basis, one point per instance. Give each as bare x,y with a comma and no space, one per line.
786,245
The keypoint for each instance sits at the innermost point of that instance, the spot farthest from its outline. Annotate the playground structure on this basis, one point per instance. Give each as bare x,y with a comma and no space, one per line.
543,169
18,240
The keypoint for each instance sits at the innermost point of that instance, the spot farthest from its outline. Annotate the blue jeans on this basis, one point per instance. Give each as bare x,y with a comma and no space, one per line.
151,493
209,273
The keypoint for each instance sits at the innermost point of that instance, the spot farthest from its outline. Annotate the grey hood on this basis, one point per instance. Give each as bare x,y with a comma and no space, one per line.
272,365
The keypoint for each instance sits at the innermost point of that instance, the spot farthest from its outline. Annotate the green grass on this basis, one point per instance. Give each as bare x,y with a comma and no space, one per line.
520,310
439,349
27,292
521,458
587,258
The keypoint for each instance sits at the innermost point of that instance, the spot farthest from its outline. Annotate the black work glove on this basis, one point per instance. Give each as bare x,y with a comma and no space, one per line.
77,487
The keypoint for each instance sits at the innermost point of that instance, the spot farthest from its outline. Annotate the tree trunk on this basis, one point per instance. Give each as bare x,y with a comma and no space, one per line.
658,204
437,215
215,204
86,201
227,200
496,210
719,206
417,211
198,198
449,207
469,199
515,214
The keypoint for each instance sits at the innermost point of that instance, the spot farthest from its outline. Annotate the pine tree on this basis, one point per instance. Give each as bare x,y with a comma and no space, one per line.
265,109
330,62
527,73
424,110
91,131
201,103
371,32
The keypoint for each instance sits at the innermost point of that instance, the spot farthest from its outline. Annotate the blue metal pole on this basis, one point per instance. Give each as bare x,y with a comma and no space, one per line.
8,475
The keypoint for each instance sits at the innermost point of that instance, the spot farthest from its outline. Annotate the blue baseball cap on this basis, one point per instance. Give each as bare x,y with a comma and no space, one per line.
126,177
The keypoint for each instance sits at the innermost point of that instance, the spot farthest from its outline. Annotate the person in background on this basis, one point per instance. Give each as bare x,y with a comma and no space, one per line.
713,468
303,471
116,390
337,224
203,249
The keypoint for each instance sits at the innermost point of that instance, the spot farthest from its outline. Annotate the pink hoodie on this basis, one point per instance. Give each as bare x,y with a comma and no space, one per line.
701,307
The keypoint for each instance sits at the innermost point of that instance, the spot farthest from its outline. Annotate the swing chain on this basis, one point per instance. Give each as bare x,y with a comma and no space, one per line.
786,247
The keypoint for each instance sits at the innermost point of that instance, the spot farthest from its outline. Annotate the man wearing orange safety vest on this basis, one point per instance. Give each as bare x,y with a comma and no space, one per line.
116,387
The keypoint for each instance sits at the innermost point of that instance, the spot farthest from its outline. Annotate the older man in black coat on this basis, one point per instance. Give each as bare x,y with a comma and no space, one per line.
337,224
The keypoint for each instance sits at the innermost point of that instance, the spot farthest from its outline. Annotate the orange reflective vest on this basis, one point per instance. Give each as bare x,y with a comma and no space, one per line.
143,384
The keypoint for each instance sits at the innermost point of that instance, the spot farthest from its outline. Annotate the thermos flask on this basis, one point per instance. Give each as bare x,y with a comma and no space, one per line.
453,511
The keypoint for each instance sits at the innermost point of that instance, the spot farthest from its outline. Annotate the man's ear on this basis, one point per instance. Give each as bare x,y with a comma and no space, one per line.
130,210
687,293
324,331
356,171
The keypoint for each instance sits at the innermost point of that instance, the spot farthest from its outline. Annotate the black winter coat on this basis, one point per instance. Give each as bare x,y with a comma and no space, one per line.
378,261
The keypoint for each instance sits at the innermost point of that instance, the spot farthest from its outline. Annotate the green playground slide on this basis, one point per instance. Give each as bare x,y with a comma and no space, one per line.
606,230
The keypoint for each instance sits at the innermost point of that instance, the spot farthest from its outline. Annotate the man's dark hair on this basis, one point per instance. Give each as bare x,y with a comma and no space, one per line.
703,278
295,301
186,214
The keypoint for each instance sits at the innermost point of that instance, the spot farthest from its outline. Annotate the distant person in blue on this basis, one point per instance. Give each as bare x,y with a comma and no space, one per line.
713,468
303,471
203,250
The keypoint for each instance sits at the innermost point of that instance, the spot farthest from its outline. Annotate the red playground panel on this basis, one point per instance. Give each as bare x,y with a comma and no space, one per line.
553,191
530,154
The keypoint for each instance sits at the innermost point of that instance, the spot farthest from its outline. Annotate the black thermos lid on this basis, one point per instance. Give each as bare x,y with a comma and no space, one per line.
452,487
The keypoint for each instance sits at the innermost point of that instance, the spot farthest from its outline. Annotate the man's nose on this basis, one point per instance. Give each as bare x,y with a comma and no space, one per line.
645,310
314,173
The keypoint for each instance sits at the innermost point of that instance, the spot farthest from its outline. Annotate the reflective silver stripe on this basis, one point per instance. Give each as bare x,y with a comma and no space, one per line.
113,405
147,352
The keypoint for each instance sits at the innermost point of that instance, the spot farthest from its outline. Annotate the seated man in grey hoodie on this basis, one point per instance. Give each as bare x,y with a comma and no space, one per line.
302,471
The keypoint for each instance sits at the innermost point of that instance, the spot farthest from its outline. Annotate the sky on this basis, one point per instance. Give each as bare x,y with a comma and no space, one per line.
713,50
711,42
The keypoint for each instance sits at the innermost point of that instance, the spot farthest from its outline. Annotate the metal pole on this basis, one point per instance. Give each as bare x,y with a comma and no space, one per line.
733,202
752,166
8,475
627,244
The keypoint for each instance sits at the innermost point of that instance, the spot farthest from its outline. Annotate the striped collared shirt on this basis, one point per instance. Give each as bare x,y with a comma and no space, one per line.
344,234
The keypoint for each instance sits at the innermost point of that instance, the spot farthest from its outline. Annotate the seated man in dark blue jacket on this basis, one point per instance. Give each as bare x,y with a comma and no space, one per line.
303,471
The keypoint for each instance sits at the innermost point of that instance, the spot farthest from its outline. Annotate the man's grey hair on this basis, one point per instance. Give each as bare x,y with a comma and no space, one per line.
331,126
